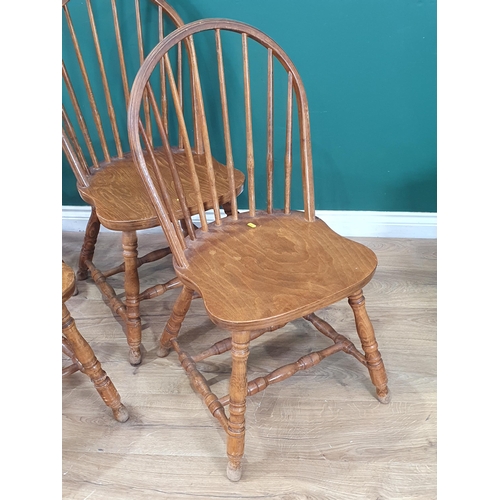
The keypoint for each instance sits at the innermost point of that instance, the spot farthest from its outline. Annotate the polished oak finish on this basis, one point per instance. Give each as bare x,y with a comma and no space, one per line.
106,177
259,270
82,357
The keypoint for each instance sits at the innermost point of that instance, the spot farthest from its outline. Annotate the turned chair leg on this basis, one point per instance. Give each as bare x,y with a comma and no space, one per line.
132,291
370,347
174,322
237,403
91,367
88,247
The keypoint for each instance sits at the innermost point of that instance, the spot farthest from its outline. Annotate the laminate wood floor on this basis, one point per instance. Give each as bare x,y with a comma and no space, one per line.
318,435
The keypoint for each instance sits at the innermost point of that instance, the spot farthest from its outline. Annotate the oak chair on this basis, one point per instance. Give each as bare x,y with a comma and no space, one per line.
259,269
82,357
100,58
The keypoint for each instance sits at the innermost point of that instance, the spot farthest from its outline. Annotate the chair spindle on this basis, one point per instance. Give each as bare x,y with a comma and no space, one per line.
121,56
270,130
206,140
163,190
104,79
79,117
171,162
179,86
163,89
77,155
70,152
225,119
248,121
187,146
140,45
90,94
288,148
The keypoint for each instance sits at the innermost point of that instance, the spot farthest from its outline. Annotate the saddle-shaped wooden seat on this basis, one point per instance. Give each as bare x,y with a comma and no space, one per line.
278,263
117,192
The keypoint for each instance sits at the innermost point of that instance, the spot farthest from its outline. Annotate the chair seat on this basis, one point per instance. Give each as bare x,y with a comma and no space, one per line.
279,270
122,203
68,282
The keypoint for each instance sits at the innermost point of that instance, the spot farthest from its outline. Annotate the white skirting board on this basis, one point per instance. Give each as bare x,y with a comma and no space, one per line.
346,223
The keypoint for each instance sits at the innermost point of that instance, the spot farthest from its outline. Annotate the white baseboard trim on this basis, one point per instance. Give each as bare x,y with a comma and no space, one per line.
381,224
346,223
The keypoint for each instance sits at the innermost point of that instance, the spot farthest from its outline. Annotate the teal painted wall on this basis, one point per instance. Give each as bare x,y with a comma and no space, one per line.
369,68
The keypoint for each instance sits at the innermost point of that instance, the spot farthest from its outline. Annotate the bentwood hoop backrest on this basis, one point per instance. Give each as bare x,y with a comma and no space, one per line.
104,43
142,148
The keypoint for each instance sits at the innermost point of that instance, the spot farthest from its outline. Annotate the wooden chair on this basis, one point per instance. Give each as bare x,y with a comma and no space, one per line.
95,140
81,354
260,269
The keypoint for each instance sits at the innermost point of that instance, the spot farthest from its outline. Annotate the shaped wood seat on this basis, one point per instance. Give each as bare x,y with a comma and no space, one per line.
284,264
104,44
266,266
122,204
81,354
68,282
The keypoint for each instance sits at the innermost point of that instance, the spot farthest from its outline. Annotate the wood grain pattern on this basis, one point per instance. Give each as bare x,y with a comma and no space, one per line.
281,253
120,205
336,442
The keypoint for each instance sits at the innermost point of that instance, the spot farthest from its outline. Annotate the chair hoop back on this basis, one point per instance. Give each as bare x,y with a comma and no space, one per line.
142,147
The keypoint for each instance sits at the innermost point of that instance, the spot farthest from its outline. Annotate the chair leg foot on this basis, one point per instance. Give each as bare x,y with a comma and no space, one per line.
233,474
162,351
385,399
135,356
121,414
